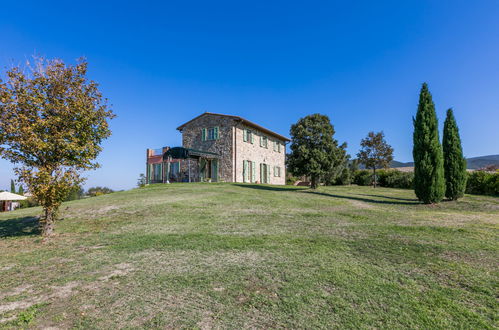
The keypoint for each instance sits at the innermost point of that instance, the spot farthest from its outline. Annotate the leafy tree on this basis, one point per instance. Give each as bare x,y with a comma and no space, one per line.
97,191
142,181
76,192
375,153
429,181
454,162
314,151
52,122
12,186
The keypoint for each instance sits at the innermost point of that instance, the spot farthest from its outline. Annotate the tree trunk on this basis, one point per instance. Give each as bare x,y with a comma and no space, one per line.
48,223
374,177
313,184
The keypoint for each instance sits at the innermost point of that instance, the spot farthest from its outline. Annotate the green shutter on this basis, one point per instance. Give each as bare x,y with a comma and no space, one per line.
268,174
245,171
261,173
214,170
202,169
252,135
203,134
253,172
245,135
216,133
261,141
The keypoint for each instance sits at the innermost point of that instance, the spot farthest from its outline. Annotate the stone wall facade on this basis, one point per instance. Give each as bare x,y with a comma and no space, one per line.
192,138
233,150
245,150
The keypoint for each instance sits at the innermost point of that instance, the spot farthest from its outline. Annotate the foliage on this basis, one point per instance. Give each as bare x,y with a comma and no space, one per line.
314,151
386,178
483,183
396,179
375,152
290,180
362,178
142,181
12,186
429,181
76,192
97,191
52,122
21,190
454,162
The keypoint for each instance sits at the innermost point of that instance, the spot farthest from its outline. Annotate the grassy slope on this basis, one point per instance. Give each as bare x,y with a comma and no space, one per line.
227,255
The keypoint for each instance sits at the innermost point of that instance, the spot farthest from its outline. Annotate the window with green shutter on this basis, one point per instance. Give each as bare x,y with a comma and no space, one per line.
245,171
253,172
203,134
263,141
245,135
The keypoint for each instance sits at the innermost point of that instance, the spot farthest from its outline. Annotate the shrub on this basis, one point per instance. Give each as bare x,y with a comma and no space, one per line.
362,178
483,183
386,178
396,179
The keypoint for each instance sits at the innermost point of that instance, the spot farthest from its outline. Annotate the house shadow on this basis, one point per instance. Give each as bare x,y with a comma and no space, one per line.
269,187
25,226
306,190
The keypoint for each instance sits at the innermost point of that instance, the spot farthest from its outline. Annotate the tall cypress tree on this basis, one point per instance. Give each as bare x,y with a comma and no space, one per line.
454,162
429,181
12,186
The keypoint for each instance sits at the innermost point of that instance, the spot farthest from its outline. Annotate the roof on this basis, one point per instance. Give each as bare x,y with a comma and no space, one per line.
243,121
8,196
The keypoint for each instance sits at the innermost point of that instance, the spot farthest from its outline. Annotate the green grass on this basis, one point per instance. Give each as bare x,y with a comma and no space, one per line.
254,256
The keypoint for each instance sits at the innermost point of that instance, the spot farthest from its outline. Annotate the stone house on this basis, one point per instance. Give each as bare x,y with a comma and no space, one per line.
221,148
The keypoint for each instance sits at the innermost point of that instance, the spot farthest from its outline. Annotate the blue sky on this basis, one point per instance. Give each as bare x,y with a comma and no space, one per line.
361,63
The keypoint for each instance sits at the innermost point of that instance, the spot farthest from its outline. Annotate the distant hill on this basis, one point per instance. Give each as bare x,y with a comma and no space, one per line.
482,161
473,163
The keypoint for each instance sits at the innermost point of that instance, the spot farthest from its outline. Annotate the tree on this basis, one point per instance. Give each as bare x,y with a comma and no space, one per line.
142,181
375,153
97,191
76,192
12,186
429,182
454,162
314,151
52,122
21,190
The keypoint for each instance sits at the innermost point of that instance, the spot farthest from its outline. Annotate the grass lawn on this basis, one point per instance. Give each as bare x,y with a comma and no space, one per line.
254,256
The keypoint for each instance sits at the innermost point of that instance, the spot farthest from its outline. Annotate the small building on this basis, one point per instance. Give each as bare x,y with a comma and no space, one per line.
220,148
7,201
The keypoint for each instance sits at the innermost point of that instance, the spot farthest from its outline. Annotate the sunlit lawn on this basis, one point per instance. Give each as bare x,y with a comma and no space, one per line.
253,256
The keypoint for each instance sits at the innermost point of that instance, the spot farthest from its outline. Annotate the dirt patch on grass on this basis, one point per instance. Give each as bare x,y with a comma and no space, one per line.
58,292
120,270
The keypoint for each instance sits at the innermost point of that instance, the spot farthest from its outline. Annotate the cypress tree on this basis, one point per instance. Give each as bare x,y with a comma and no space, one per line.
12,186
454,162
429,181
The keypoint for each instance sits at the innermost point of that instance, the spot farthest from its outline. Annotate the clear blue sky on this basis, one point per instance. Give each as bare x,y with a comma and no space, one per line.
362,63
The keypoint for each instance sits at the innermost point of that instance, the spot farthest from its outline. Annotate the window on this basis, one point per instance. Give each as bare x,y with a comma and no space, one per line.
210,134
264,173
277,146
249,171
263,141
157,172
248,136
277,171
